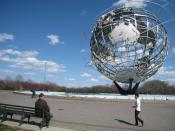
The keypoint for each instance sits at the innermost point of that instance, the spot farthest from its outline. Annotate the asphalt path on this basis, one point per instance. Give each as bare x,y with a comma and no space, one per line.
99,115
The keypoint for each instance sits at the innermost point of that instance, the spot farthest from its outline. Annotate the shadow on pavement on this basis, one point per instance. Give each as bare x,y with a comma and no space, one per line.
125,122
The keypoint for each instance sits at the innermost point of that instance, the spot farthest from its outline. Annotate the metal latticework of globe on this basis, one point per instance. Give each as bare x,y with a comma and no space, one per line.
128,43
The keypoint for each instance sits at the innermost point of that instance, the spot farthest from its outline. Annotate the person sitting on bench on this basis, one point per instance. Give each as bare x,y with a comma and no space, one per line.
42,109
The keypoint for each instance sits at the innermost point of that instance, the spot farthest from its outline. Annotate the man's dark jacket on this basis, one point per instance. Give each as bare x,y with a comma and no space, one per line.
40,107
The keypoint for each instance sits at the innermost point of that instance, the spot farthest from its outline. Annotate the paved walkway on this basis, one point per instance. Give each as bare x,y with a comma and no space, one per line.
94,115
35,128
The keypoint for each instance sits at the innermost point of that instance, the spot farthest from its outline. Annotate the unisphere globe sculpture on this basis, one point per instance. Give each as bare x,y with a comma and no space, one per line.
128,45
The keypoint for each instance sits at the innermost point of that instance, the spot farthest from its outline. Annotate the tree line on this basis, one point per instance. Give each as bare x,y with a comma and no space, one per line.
149,87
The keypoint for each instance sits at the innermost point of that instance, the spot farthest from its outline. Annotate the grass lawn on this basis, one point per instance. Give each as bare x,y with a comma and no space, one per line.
9,128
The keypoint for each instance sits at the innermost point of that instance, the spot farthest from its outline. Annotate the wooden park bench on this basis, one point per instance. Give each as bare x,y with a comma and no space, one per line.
23,111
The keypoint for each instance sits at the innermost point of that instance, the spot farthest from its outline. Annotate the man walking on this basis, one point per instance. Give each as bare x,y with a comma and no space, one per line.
33,90
137,106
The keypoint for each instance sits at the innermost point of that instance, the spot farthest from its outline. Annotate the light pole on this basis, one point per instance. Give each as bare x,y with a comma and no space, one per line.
45,71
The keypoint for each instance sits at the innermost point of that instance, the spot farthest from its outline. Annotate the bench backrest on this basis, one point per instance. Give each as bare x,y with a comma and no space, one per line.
21,110
15,108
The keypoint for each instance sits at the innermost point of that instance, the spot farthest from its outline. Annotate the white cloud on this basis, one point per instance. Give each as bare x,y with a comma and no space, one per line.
168,72
25,54
5,71
4,37
71,79
93,80
54,39
171,80
28,54
28,73
50,75
131,3
165,74
83,50
6,74
85,75
29,60
6,59
104,78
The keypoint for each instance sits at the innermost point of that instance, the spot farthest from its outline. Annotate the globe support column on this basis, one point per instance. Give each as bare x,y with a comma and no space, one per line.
130,90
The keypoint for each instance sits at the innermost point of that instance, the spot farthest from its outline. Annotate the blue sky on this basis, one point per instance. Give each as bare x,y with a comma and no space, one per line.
51,38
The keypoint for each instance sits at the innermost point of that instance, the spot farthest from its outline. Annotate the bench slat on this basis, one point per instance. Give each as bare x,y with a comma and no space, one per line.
1,104
24,111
